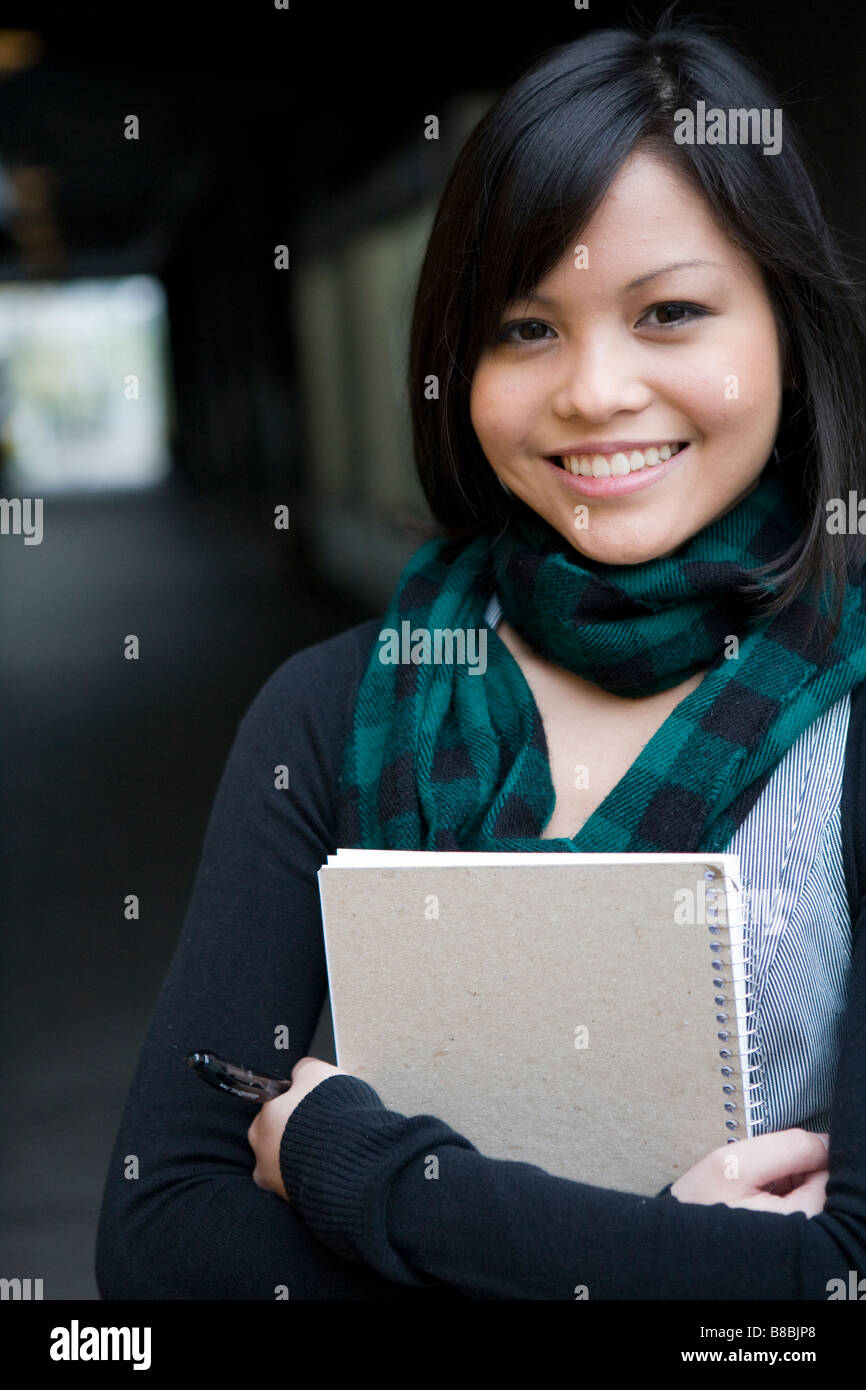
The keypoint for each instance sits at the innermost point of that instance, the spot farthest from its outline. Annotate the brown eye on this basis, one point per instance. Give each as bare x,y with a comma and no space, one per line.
506,333
670,313
673,313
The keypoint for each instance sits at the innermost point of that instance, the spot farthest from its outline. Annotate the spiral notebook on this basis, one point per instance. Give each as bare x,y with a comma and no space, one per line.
587,1013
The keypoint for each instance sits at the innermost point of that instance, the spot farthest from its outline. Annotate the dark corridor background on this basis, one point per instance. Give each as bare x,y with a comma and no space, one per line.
299,127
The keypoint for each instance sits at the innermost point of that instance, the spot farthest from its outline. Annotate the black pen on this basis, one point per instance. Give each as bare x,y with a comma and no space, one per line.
235,1078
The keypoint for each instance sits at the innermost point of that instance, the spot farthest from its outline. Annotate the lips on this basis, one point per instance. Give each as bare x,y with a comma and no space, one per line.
616,481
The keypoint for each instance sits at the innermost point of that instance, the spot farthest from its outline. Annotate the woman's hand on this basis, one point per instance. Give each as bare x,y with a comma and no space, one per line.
782,1172
266,1130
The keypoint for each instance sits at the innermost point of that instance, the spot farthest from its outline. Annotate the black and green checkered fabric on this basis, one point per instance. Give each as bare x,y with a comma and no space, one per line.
441,756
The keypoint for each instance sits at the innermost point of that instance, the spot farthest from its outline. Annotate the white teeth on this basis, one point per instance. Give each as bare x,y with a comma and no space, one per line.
619,464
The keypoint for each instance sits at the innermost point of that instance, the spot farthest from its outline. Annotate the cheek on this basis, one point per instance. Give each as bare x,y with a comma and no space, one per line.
701,392
739,390
478,403
756,365
496,408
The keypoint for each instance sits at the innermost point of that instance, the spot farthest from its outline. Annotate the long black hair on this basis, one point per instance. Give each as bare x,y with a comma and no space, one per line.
528,179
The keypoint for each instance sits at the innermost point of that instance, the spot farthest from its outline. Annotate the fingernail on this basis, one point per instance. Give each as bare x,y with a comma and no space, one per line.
825,1140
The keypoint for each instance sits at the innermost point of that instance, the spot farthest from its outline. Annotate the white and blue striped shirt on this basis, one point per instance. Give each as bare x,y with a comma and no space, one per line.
798,926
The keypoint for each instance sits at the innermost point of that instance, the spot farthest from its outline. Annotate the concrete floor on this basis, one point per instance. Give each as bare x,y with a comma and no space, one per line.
109,768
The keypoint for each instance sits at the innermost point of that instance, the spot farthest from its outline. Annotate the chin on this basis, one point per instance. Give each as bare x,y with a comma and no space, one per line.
636,554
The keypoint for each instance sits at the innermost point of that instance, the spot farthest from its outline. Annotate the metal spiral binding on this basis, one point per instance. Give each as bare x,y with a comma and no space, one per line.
747,1093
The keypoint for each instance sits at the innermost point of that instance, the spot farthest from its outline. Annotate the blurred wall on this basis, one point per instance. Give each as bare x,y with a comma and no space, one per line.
357,263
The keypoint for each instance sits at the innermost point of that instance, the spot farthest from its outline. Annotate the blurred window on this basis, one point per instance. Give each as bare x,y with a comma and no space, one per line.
84,385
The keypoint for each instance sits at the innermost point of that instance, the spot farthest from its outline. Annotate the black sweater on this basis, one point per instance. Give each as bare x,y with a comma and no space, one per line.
368,1222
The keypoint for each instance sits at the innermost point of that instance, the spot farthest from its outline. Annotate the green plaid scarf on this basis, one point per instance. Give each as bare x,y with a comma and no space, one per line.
442,756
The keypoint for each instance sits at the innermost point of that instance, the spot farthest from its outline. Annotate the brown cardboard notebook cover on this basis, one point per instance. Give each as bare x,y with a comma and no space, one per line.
556,1009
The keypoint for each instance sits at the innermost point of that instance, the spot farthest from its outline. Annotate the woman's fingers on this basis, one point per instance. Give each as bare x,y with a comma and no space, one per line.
780,1187
772,1158
765,1173
808,1198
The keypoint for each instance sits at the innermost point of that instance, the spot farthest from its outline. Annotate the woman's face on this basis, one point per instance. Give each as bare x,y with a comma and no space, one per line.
628,354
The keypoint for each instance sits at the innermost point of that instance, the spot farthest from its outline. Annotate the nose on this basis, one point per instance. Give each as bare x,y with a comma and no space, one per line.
599,378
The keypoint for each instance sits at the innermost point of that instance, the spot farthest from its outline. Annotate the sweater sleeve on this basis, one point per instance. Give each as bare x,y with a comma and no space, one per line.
181,1217
364,1179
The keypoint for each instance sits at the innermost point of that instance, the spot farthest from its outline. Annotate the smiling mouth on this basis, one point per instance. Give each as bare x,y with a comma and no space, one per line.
617,465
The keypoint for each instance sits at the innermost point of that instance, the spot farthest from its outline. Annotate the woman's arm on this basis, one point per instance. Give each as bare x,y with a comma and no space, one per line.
181,1216
364,1179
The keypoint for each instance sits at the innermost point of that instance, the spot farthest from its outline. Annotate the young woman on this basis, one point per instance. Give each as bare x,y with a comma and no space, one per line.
636,380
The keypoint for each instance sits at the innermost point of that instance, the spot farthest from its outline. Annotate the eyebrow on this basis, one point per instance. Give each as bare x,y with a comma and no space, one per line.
634,284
